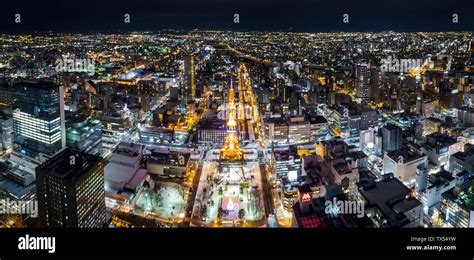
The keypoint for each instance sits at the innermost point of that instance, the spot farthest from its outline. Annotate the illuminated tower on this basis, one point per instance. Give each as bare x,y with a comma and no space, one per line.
231,150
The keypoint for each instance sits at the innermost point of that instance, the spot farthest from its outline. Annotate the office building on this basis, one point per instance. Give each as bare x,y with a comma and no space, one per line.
276,130
403,164
391,138
84,133
318,127
38,118
298,131
70,190
462,161
362,81
440,147
436,185
456,209
425,107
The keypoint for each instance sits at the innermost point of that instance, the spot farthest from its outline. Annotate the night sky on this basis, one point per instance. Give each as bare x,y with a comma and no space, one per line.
263,15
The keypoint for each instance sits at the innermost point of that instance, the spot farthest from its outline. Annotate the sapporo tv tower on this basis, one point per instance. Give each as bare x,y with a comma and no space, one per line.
231,150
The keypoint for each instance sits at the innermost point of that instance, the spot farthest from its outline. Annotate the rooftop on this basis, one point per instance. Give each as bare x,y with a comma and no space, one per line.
441,178
60,165
36,84
391,197
315,217
437,139
465,156
406,154
318,119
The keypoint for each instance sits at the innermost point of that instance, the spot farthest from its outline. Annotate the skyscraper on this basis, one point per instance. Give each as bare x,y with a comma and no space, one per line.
362,81
6,99
391,138
189,84
70,190
38,118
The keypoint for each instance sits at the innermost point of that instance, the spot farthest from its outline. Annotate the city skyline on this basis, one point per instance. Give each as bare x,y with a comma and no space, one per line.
233,128
237,129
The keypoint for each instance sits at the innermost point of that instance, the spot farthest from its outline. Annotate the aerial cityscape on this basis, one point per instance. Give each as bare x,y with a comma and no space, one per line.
207,128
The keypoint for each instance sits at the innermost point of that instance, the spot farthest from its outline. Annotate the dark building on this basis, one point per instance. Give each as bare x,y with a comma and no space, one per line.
38,118
390,203
449,97
319,95
189,82
211,131
6,92
70,190
391,138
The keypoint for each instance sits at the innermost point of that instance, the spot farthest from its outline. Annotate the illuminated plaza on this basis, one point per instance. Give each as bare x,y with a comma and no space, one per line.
229,194
165,202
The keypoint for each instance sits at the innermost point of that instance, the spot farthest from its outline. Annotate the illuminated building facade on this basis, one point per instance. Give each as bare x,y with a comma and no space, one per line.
276,130
70,190
362,80
299,131
38,118
456,208
212,131
189,80
84,134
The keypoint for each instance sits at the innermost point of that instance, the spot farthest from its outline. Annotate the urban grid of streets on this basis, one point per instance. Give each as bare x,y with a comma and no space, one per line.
161,89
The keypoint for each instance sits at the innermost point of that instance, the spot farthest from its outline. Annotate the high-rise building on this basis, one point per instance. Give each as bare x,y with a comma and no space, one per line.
70,190
6,132
38,118
189,82
6,99
391,138
378,81
318,126
440,147
362,81
466,116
